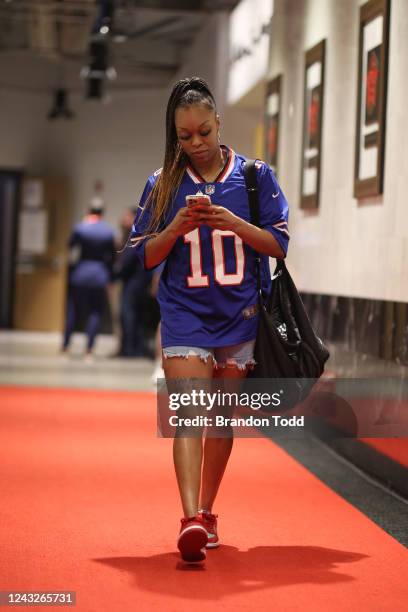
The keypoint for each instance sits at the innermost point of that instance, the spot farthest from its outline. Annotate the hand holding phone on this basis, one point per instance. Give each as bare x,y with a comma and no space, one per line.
198,200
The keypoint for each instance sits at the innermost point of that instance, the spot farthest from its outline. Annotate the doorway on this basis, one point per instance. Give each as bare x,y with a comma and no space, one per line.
10,188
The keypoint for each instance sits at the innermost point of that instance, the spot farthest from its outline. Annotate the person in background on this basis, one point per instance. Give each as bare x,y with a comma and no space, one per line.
93,241
135,281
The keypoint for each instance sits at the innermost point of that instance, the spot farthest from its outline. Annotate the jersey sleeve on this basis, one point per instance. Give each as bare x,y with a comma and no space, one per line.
141,223
273,207
159,269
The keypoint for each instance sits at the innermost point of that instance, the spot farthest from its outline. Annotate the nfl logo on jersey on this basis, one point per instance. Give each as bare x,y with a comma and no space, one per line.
209,189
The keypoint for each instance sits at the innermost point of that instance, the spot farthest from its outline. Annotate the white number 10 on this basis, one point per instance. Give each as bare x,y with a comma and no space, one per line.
197,277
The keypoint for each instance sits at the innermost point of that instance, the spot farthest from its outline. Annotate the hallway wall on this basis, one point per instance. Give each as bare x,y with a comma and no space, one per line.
120,143
23,129
346,248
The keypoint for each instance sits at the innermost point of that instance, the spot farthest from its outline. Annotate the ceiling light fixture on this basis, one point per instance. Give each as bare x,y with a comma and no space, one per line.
98,68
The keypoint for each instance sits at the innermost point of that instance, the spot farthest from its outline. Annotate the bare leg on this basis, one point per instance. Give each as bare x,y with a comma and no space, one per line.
216,452
157,345
188,452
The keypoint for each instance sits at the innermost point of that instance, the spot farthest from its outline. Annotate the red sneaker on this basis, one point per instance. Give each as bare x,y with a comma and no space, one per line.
210,523
192,540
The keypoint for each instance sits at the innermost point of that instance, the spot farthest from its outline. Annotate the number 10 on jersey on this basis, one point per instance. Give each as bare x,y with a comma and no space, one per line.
197,278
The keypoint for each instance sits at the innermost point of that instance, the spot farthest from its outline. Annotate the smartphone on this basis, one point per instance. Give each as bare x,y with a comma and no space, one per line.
199,199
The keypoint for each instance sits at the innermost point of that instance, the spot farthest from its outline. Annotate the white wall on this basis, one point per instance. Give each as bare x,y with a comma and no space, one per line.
24,104
346,248
208,58
120,143
22,129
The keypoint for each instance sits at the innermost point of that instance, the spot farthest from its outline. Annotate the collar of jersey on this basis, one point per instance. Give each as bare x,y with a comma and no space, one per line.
223,175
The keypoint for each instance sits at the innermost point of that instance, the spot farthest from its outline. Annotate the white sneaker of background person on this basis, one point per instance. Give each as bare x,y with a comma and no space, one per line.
89,358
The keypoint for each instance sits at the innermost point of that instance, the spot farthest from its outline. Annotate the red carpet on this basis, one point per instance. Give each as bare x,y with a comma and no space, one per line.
89,503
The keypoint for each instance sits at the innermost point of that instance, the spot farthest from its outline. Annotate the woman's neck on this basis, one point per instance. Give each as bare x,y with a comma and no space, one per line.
213,167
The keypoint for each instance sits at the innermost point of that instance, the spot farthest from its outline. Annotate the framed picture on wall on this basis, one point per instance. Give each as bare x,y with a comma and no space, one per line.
312,126
272,113
371,98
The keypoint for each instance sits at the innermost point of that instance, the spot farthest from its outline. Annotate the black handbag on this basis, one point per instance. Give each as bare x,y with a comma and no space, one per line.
286,344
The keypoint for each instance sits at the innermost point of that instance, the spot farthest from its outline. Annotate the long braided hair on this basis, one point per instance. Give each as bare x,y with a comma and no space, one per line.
185,92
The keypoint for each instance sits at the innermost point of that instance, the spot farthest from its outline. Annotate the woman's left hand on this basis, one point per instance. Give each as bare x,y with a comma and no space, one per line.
221,218
216,217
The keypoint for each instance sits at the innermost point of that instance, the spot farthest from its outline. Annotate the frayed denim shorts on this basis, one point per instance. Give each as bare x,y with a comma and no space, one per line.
236,355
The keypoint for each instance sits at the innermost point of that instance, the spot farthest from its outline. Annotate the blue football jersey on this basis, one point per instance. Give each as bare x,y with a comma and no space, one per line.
208,289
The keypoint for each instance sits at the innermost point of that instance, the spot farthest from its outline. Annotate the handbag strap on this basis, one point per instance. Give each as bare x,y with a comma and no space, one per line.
251,183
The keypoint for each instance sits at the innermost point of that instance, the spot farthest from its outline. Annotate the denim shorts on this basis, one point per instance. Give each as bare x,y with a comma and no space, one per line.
236,355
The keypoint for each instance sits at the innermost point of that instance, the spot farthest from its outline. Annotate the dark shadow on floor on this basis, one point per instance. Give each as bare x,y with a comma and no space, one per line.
230,571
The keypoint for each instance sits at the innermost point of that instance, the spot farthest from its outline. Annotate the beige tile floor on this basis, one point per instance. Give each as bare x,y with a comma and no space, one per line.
33,358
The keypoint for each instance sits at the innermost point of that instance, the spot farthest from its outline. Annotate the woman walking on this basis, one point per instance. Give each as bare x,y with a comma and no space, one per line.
208,289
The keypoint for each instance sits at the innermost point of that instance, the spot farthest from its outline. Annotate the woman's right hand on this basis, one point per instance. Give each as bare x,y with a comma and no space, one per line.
185,221
158,248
